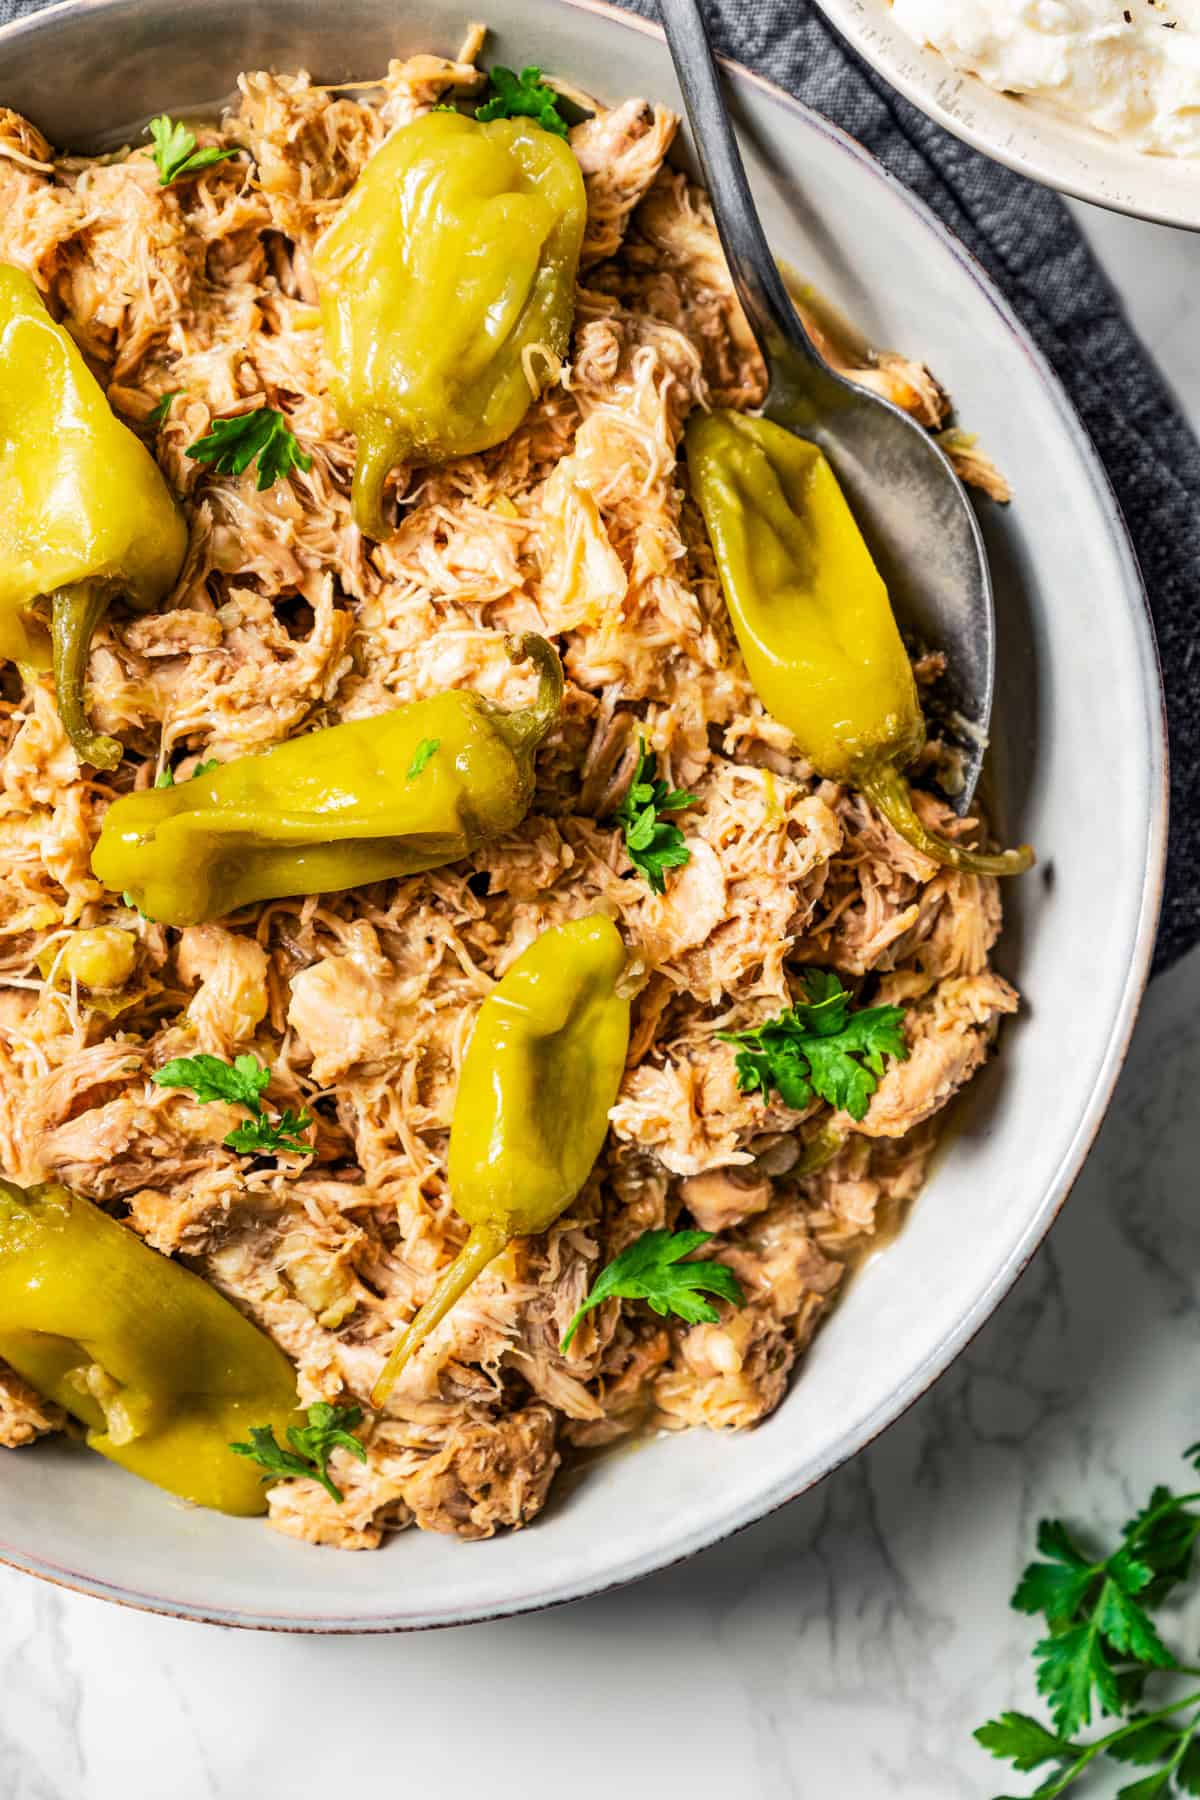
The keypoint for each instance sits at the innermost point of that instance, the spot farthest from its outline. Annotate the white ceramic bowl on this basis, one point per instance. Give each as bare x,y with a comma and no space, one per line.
1080,767
1030,139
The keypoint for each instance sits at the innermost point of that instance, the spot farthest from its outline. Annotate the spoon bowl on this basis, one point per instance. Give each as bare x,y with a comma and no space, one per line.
909,504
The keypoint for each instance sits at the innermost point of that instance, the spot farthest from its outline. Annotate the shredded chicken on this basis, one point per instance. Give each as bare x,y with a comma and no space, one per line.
284,619
24,1415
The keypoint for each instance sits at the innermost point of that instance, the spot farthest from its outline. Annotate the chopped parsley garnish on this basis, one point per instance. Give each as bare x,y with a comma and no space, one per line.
425,749
652,1269
1102,1648
261,1136
175,152
166,777
524,96
239,1083
654,846
233,444
329,1428
158,413
820,1046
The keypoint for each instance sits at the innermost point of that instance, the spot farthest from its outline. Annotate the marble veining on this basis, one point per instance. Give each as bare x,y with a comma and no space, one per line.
844,1647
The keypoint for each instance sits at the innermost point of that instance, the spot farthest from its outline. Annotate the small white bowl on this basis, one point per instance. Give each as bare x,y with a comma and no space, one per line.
1026,136
1080,770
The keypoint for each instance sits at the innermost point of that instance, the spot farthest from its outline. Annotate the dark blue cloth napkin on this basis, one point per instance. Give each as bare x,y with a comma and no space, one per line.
1025,237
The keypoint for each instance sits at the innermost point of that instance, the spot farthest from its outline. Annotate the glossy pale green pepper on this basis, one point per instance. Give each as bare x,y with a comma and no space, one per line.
541,1072
813,618
85,514
364,801
447,289
164,1373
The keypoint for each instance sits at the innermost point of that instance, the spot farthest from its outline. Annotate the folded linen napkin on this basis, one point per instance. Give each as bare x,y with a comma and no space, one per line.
1025,237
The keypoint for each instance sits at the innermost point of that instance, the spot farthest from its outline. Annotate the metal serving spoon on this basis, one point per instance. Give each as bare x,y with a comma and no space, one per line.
909,503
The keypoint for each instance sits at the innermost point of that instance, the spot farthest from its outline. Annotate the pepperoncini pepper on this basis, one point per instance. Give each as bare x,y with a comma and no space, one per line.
358,802
813,618
164,1372
541,1072
85,514
450,267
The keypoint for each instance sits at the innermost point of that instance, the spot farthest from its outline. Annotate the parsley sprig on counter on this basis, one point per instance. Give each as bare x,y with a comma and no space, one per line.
654,844
652,1269
233,444
822,1045
524,96
1102,1649
240,1083
329,1428
175,152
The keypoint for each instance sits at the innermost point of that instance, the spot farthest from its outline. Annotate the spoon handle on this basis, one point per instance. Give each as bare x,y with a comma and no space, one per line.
760,288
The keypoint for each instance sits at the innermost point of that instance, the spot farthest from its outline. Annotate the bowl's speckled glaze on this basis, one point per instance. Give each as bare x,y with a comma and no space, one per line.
1080,766
1031,139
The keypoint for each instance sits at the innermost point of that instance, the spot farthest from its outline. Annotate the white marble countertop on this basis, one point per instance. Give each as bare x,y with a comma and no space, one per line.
847,1646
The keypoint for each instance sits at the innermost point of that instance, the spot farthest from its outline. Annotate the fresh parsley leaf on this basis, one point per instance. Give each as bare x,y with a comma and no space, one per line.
233,444
1150,1788
1093,1613
1072,1666
1166,1533
1055,1588
1016,1738
240,1083
1187,1773
653,847
425,749
329,1428
175,152
1147,1743
1125,1625
524,96
261,1136
652,1269
158,414
820,1046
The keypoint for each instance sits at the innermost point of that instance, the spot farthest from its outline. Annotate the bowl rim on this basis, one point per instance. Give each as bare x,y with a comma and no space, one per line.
1074,158
918,1381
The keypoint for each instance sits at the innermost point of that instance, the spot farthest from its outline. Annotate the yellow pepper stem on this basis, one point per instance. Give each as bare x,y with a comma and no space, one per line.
888,791
379,450
482,1247
75,612
525,728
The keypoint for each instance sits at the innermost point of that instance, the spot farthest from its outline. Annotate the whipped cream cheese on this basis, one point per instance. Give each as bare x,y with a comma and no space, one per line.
1130,68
